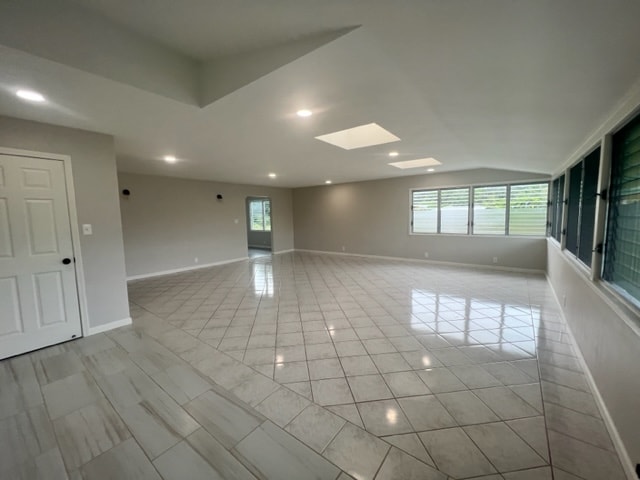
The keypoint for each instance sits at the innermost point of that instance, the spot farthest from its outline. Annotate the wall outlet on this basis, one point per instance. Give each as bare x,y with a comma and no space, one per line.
195,260
495,259
87,229
426,254
344,249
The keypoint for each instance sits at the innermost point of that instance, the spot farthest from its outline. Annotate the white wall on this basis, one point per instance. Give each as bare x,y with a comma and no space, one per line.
168,222
95,184
373,218
608,340
607,329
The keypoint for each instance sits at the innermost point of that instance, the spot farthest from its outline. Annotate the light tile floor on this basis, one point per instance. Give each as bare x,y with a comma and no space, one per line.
309,366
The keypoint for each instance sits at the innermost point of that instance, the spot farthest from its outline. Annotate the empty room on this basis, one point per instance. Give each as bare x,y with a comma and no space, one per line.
291,240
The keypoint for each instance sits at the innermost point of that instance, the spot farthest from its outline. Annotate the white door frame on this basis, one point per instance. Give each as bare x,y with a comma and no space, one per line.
73,218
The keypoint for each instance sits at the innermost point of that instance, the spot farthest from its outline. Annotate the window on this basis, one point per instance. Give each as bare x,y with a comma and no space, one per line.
454,210
490,210
622,257
425,211
581,207
522,207
573,208
528,209
557,202
260,215
590,171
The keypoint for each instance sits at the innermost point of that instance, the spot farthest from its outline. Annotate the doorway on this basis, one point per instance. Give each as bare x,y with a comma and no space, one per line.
259,232
38,290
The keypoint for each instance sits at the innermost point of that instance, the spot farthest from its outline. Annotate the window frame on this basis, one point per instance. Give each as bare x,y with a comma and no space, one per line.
507,191
262,201
626,297
557,202
578,224
470,210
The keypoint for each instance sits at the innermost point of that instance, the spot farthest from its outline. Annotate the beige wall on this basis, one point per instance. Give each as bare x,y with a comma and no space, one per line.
609,344
94,179
373,218
168,222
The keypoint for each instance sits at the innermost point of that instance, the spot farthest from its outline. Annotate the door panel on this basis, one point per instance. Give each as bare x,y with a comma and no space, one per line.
10,318
41,226
5,233
38,293
36,178
49,297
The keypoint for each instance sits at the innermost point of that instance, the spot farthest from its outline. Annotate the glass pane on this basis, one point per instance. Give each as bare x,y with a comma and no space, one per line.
554,206
256,215
573,208
528,209
559,205
622,258
489,210
267,215
588,206
425,211
454,210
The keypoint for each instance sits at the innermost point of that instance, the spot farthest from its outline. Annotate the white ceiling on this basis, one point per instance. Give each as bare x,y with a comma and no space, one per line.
503,84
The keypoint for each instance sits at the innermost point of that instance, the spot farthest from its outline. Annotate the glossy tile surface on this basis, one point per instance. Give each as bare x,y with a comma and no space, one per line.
313,366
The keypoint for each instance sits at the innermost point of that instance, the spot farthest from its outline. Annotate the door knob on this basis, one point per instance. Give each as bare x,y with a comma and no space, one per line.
66,261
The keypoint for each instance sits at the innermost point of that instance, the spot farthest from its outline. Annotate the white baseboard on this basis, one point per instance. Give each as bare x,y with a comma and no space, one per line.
430,262
185,269
284,251
625,459
108,326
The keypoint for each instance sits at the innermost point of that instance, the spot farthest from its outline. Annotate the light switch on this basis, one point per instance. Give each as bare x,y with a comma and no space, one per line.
235,220
87,229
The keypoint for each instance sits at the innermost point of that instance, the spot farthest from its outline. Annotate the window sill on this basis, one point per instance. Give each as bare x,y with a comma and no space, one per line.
474,235
627,310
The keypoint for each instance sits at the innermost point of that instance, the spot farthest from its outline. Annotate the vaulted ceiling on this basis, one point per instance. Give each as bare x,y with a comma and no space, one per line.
494,83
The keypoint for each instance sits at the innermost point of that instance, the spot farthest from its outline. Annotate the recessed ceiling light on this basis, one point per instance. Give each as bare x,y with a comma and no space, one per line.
30,95
304,113
393,154
358,137
328,182
419,162
430,169
170,159
272,175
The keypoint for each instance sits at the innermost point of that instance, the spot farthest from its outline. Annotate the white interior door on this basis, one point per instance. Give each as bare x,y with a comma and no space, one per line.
38,291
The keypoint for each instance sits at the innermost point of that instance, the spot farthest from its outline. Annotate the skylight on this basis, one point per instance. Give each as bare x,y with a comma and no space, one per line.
419,162
359,137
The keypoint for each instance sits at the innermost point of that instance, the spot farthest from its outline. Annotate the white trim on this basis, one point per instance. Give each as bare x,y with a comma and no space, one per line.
284,251
109,326
429,262
625,459
185,269
73,221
